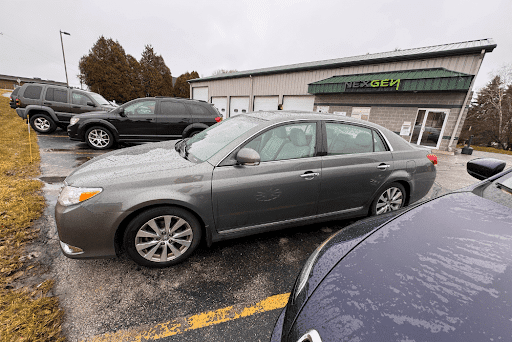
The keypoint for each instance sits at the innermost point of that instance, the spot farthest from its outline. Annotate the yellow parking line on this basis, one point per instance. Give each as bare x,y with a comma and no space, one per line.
205,319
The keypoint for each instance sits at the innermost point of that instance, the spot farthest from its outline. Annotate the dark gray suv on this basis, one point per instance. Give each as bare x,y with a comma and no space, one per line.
49,106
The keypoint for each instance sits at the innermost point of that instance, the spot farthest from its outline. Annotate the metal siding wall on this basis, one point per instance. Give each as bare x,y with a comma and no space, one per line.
295,83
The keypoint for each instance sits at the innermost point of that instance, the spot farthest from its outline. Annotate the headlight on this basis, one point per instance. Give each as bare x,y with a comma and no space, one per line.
72,195
73,121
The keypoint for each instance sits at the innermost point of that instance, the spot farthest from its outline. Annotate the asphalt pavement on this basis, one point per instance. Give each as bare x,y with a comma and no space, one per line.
202,298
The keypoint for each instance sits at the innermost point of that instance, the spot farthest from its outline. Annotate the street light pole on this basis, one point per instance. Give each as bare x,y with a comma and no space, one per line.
63,56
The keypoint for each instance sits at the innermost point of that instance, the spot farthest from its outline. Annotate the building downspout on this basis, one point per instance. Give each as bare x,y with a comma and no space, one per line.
251,96
464,104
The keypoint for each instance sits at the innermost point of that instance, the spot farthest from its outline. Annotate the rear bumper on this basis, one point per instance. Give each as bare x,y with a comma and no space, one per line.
21,113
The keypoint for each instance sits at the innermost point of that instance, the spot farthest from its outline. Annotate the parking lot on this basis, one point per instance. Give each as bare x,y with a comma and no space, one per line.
240,284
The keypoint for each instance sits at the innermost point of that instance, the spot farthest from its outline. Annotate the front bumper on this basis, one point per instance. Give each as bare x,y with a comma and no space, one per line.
72,131
86,230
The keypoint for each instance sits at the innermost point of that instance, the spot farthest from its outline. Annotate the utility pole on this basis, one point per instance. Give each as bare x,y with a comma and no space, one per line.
63,56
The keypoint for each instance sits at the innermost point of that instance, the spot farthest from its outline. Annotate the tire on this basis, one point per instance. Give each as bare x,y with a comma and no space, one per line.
42,123
161,237
191,134
391,198
99,138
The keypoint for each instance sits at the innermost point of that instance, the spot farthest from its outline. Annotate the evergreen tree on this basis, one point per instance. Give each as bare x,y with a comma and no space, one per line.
106,70
182,88
155,76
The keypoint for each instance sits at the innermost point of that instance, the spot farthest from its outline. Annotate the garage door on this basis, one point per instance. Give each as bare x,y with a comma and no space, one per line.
266,102
221,103
298,103
200,93
238,105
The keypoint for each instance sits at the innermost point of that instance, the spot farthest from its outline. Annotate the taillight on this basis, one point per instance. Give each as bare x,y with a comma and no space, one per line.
218,118
432,158
18,103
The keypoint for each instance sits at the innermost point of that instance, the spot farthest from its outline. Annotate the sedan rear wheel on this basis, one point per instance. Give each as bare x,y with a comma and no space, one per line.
99,138
390,199
162,237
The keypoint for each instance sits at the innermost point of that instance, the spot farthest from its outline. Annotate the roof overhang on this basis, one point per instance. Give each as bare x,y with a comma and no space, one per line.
422,80
454,49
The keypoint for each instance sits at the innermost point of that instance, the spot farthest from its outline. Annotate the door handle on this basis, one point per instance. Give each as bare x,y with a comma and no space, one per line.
309,175
76,106
383,166
47,103
149,119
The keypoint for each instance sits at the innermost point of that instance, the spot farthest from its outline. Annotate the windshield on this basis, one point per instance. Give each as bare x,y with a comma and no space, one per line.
205,144
500,191
100,99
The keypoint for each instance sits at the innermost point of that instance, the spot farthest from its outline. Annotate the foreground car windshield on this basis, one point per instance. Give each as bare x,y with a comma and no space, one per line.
100,99
204,145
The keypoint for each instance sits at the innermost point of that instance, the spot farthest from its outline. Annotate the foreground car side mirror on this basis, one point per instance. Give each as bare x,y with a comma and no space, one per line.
121,112
91,104
248,156
483,168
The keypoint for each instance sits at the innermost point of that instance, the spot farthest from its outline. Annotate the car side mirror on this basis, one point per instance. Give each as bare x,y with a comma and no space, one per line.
91,104
483,168
248,156
121,112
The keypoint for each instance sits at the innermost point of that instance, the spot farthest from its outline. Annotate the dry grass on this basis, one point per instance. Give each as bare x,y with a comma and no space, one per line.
487,149
29,313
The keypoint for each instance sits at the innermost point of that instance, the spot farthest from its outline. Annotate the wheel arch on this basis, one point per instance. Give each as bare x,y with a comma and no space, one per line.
121,228
197,126
101,123
33,110
400,180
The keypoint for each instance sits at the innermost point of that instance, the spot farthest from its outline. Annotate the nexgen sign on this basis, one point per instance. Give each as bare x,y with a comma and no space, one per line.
373,84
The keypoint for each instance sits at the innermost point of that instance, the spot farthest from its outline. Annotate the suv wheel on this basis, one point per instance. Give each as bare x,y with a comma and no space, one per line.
42,123
162,237
99,138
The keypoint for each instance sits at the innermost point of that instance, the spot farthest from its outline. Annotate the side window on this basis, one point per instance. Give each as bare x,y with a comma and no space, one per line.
33,92
141,108
60,95
378,144
173,108
286,142
348,139
49,94
80,99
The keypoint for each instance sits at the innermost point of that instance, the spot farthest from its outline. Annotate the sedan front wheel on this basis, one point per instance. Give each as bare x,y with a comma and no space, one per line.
389,199
162,237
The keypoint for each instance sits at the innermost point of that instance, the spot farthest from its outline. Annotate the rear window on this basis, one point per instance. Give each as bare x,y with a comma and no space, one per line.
33,92
15,91
173,108
197,110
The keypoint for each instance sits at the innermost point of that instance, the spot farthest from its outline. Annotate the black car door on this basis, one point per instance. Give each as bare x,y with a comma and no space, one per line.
172,119
138,122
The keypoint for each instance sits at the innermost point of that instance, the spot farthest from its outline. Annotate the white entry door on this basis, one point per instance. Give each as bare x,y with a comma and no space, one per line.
305,103
238,105
429,127
265,103
221,103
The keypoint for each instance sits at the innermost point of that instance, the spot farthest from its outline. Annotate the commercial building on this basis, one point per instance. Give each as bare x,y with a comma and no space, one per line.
421,94
11,82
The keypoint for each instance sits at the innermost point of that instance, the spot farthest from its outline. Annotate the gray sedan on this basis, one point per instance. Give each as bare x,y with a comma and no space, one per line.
249,174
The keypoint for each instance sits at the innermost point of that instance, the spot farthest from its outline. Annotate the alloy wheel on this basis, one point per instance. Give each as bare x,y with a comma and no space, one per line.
391,199
164,238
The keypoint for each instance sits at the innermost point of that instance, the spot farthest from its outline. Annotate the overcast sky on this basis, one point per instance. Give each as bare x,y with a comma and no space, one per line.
209,35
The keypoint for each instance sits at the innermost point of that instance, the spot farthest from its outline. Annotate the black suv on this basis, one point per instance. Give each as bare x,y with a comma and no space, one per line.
144,120
49,106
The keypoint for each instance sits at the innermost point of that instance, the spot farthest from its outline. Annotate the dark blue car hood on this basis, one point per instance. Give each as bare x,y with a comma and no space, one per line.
439,272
